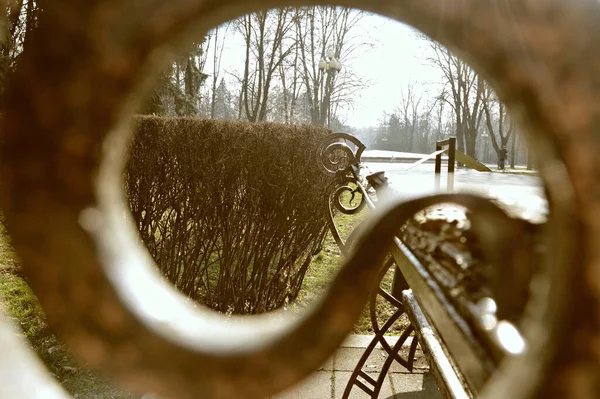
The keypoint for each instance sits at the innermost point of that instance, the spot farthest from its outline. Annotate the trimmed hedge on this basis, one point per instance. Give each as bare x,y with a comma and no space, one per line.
232,212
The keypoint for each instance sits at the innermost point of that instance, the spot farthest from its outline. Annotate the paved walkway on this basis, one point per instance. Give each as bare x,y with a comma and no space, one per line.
330,381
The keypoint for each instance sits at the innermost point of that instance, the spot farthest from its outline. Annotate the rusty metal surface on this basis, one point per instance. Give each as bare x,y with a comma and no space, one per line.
79,80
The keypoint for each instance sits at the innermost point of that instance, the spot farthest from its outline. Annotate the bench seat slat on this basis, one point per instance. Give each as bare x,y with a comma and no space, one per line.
450,384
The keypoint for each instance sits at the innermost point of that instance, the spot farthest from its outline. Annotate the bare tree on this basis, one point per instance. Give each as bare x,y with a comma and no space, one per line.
17,24
463,90
513,149
264,34
500,127
439,116
217,37
191,67
178,88
408,113
320,29
280,77
291,83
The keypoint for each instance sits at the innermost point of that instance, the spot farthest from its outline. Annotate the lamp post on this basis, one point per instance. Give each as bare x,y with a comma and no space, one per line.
330,66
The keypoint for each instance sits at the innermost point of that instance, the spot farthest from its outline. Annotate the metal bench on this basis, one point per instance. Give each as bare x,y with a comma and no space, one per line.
462,352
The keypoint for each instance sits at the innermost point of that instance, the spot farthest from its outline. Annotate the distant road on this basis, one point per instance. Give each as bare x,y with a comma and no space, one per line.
396,156
520,195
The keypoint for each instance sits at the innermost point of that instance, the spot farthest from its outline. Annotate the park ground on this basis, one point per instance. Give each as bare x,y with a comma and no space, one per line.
19,302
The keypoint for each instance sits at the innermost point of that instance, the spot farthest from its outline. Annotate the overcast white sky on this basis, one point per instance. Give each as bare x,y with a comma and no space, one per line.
397,59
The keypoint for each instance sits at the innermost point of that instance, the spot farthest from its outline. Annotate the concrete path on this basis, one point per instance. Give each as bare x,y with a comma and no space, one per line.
330,381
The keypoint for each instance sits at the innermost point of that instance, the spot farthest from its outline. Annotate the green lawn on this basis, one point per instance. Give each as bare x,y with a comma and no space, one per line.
324,268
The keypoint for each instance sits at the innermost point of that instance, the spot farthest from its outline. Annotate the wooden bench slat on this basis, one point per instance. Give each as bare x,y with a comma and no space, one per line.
450,384
470,356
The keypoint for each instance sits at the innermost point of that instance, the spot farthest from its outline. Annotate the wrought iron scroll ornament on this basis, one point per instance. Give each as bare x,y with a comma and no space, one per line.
61,194
339,159
336,155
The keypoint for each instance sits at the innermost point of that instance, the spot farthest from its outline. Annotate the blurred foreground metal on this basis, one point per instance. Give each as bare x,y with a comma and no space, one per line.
61,166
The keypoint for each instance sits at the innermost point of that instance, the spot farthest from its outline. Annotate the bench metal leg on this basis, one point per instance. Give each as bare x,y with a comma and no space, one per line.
367,383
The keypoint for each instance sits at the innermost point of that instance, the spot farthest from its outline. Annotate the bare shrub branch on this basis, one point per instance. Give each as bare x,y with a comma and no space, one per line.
232,212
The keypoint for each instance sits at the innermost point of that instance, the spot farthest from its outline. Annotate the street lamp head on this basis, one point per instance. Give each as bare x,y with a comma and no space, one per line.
331,54
336,65
323,65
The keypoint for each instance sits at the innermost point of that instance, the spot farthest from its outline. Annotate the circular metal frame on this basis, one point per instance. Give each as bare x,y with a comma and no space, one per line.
83,74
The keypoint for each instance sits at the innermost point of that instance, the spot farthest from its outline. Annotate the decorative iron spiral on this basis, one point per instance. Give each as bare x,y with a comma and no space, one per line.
338,159
61,161
336,156
354,204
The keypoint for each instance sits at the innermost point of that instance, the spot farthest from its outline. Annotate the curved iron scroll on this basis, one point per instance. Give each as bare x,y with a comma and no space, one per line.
339,159
337,190
336,155
83,71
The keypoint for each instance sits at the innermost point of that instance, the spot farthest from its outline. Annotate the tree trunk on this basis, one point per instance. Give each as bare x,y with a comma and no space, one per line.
471,144
213,98
513,148
529,160
460,135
